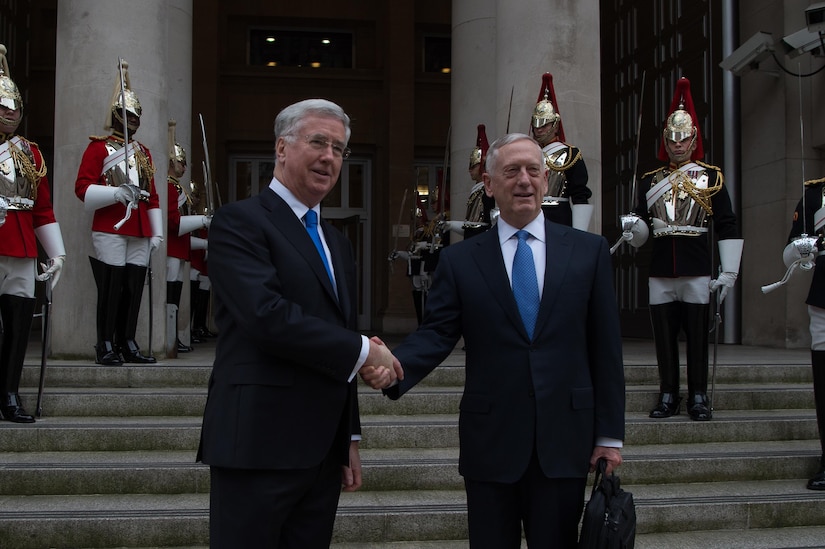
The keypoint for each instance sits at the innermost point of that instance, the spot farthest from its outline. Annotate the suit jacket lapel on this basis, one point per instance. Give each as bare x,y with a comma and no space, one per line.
282,216
491,266
559,255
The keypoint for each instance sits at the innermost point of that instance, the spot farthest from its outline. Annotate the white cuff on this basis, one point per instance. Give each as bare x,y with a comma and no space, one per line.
51,239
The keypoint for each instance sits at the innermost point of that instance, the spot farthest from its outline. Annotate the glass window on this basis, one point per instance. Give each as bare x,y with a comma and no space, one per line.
300,48
437,54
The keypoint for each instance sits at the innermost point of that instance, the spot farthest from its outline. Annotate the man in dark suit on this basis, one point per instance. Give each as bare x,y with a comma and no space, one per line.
281,417
544,391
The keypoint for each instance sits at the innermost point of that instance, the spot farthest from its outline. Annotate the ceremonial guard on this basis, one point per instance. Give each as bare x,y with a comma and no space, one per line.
806,239
567,173
179,226
116,182
679,201
480,206
26,216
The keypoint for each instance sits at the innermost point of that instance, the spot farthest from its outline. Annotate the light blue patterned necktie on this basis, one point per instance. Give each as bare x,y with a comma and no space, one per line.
311,220
525,283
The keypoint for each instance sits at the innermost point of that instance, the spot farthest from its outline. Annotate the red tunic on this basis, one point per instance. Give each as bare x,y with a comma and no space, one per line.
17,237
105,218
176,246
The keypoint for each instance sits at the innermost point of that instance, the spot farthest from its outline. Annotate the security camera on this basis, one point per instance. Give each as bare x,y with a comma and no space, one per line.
815,17
748,56
800,42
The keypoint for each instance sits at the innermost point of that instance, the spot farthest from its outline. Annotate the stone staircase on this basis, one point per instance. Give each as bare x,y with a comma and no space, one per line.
111,463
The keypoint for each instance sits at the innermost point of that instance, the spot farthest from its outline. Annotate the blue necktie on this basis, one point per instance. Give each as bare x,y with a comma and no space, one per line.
525,283
311,219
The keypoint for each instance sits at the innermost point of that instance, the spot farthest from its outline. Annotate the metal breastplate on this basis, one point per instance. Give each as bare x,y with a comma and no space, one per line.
18,190
557,162
476,215
683,208
136,174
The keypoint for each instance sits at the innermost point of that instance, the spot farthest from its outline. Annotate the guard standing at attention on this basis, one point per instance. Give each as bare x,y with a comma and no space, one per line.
117,183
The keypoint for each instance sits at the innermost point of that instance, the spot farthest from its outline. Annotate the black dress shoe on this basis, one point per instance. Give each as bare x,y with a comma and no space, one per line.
203,333
699,410
183,348
131,353
16,414
106,354
668,406
817,482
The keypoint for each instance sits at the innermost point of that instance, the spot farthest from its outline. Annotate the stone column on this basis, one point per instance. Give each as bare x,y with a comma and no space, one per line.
91,37
560,38
473,97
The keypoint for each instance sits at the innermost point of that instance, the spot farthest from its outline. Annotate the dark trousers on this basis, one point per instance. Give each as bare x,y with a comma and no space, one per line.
273,509
549,509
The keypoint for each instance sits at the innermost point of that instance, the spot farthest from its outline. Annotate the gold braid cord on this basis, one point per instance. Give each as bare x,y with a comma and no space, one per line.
566,165
682,183
25,161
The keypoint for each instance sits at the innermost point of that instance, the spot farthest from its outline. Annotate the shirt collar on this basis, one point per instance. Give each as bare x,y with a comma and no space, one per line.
535,228
298,208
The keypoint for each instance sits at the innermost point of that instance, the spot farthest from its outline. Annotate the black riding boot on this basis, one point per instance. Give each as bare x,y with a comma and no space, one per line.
16,313
817,482
418,301
665,319
174,289
696,322
199,313
126,329
109,281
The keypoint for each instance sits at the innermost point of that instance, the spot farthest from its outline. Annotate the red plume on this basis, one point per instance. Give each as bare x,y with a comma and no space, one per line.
681,96
547,86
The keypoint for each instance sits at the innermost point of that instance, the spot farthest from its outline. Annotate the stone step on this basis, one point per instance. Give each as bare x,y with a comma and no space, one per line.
190,401
195,373
441,430
390,516
117,401
110,433
639,398
170,472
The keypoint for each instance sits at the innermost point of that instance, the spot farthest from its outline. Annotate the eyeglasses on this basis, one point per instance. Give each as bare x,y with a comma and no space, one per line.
320,143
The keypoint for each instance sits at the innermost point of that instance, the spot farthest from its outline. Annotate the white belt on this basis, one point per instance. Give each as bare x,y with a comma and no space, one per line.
19,203
550,199
687,230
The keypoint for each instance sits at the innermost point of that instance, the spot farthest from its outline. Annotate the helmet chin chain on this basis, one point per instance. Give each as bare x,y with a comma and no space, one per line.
8,122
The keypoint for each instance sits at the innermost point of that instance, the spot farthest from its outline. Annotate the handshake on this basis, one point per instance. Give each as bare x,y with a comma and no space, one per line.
381,369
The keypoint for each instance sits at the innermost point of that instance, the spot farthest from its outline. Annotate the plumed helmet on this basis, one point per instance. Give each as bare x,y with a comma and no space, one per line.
480,151
176,151
681,123
118,98
9,94
546,110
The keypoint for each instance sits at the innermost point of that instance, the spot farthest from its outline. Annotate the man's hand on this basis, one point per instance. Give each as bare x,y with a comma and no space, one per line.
724,282
154,243
52,270
351,476
613,457
381,369
127,194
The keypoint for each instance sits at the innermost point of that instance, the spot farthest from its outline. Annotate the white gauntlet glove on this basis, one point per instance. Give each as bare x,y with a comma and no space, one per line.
730,255
51,239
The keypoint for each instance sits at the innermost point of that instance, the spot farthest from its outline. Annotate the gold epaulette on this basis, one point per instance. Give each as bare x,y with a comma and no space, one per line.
704,165
815,181
651,172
